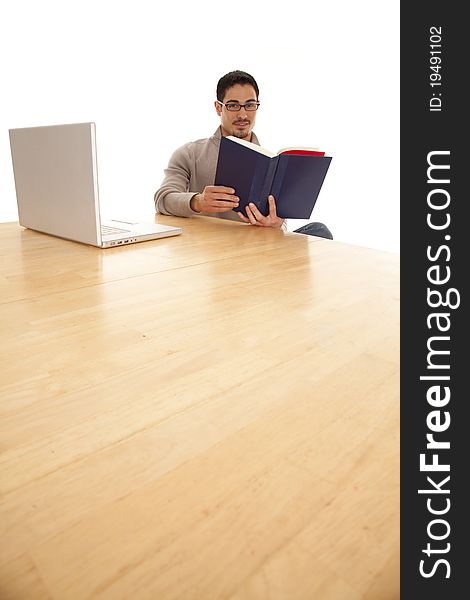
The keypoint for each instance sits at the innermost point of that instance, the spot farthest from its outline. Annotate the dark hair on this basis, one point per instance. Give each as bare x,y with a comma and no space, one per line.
231,79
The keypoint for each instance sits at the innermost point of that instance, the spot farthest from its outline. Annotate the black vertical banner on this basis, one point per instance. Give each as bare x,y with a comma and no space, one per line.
435,269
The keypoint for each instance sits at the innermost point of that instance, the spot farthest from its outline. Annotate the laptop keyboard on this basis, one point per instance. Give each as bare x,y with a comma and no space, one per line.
106,230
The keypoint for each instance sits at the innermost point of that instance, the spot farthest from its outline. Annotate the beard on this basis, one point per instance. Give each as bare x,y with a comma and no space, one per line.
242,133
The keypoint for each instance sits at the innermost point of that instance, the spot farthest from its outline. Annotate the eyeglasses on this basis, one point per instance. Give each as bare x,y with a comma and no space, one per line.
236,106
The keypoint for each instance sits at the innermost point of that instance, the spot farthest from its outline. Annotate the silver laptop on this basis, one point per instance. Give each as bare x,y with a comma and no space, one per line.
56,180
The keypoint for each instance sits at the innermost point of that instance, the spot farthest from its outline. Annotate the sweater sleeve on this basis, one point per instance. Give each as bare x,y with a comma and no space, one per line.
173,196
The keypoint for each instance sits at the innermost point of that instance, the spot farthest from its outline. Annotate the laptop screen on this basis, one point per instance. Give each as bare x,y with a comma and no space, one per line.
56,180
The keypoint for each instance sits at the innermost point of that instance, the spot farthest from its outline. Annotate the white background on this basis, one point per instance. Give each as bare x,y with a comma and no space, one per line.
146,71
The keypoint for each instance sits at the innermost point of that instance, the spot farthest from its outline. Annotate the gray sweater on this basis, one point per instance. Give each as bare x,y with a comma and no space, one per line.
190,169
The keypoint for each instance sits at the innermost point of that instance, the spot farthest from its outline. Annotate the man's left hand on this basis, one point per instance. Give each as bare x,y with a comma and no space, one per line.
256,218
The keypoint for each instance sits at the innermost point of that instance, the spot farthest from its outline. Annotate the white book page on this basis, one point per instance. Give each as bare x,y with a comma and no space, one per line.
267,152
255,147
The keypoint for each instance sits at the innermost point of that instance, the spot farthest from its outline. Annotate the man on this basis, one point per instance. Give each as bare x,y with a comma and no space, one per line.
187,188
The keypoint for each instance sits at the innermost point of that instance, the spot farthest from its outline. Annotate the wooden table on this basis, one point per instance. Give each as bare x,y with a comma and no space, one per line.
214,415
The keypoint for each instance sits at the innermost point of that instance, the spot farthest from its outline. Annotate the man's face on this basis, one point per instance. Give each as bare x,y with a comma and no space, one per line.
237,123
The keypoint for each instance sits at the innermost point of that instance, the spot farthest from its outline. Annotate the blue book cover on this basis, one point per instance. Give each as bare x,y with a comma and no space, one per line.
295,180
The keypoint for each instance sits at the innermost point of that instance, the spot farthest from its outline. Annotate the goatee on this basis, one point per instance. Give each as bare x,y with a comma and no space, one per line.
242,133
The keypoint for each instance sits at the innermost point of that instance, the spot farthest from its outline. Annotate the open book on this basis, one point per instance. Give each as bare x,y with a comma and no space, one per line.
266,152
294,176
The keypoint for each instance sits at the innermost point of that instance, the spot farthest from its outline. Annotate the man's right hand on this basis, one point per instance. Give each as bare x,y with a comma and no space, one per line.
214,199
